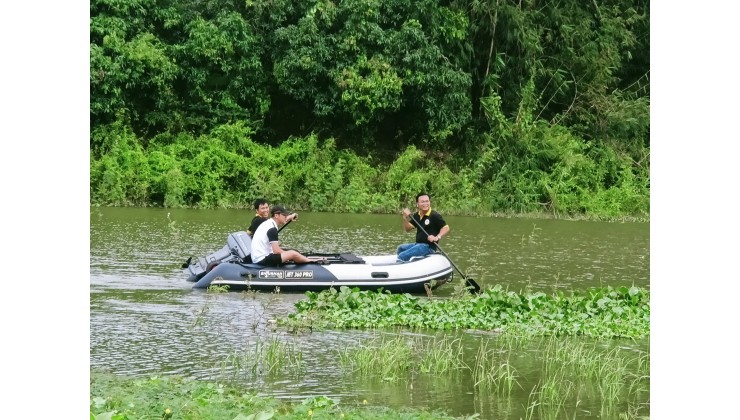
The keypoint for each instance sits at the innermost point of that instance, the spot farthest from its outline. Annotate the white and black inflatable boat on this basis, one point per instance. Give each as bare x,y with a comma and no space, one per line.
232,267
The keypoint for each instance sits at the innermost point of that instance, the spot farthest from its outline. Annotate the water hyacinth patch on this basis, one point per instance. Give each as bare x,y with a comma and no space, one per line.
604,312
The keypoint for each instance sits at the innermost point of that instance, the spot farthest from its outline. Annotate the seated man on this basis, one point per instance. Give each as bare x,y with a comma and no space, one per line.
431,228
266,246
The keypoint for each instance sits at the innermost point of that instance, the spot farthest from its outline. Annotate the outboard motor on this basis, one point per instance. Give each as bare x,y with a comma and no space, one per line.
238,248
240,244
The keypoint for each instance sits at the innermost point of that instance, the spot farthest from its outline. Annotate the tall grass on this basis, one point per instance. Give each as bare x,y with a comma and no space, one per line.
385,357
264,357
441,356
562,377
491,371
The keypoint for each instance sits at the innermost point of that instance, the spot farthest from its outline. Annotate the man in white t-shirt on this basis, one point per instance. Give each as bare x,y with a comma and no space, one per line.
266,246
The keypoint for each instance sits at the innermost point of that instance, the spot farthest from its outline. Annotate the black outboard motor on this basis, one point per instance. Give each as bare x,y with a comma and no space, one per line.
238,248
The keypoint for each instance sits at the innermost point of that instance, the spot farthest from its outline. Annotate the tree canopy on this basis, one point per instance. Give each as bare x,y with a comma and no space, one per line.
525,102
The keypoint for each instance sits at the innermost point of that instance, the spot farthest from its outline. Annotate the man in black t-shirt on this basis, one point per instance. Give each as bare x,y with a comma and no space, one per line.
262,208
434,228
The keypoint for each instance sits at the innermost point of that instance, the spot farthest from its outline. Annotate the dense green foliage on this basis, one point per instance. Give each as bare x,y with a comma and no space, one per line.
118,398
599,312
356,106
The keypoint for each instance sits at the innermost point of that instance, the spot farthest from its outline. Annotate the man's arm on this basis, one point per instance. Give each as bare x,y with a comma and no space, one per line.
439,221
272,236
407,225
276,247
442,232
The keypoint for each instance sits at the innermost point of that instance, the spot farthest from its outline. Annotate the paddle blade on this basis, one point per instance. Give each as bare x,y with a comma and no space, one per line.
472,286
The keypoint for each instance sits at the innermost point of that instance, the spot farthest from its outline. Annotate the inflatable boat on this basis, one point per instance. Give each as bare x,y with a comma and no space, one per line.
232,267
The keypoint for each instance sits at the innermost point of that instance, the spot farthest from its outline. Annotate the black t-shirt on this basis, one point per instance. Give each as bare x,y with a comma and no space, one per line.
256,222
432,224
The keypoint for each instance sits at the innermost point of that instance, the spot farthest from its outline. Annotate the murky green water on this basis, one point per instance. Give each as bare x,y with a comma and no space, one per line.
145,318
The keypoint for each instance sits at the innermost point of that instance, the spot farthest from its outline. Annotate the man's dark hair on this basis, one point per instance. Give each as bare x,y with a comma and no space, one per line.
420,194
258,202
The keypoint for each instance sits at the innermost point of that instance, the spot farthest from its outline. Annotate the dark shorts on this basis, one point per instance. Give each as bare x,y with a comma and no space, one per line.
272,260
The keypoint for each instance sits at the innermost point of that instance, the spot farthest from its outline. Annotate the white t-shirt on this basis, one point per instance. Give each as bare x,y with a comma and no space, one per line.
262,240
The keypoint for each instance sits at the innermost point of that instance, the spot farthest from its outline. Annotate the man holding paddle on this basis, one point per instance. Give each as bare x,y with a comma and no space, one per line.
431,228
266,245
434,228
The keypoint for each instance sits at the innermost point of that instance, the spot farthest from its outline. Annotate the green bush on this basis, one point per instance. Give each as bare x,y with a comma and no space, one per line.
546,169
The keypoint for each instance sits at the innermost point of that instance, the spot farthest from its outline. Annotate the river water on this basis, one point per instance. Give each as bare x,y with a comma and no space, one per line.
146,319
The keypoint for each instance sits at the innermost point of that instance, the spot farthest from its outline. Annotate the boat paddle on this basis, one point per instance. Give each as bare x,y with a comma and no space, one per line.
284,226
287,223
469,282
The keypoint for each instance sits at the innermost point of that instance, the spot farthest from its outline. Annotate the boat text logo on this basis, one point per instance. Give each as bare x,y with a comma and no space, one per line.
271,274
280,274
300,274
